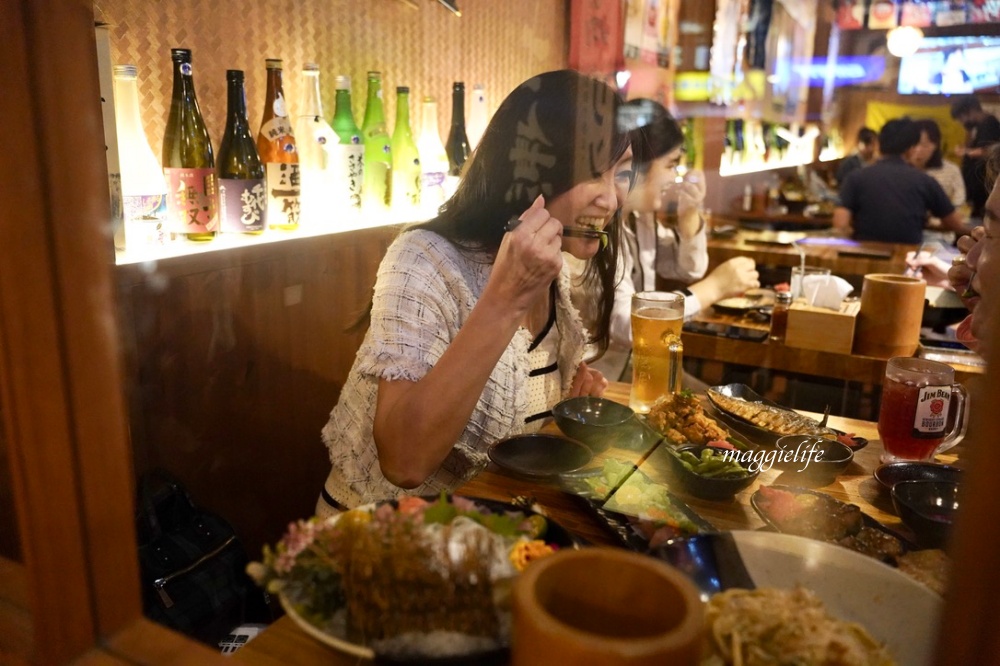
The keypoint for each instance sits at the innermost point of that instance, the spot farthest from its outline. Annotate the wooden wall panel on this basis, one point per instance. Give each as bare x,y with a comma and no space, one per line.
237,359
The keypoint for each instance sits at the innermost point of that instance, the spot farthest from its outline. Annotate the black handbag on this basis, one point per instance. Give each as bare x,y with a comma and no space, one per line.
192,564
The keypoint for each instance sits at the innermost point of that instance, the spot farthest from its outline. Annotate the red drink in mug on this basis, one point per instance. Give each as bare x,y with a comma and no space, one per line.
919,400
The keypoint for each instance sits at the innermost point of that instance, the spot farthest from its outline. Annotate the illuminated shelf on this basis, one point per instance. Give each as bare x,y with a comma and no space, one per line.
222,242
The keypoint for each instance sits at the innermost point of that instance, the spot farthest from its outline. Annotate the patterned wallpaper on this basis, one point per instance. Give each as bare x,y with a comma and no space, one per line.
498,43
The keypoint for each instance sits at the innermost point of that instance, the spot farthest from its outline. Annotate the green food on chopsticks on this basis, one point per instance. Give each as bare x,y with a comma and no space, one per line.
712,465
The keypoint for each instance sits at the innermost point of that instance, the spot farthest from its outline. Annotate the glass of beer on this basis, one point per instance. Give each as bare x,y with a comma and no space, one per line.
656,347
923,413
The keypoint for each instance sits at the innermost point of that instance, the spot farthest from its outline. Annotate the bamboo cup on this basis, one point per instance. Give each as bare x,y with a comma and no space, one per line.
892,307
605,607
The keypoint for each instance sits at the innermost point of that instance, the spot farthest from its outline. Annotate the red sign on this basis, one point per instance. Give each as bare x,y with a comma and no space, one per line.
595,38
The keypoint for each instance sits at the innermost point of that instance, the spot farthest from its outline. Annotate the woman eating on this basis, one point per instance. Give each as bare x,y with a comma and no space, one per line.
472,334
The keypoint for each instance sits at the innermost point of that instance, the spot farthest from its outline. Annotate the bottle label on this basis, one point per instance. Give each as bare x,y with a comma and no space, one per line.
283,190
931,418
276,129
145,220
192,200
242,204
347,162
432,186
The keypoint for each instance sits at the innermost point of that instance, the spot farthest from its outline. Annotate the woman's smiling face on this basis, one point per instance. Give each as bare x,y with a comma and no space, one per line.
647,195
591,205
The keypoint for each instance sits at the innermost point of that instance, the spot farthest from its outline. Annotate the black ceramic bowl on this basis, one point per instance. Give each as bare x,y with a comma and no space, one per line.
597,422
708,487
890,474
540,456
928,508
819,466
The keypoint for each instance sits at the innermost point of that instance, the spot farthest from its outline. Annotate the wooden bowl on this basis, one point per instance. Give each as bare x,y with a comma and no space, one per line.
605,607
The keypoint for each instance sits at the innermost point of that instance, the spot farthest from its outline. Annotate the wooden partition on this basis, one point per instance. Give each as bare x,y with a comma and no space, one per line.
235,359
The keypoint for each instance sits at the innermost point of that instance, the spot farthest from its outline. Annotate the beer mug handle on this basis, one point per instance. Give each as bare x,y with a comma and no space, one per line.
957,432
675,350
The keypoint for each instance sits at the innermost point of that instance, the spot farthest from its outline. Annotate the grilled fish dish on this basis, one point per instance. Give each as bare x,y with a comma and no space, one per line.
770,418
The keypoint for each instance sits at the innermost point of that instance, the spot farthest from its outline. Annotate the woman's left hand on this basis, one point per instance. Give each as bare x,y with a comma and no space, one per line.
588,382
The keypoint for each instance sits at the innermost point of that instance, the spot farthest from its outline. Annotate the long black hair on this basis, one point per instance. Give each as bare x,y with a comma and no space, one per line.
553,132
656,132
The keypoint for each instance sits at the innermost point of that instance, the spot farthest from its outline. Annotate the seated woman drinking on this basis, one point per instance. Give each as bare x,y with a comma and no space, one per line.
473,336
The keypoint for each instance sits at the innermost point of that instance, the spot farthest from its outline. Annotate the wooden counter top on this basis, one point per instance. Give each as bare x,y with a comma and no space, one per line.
283,642
843,256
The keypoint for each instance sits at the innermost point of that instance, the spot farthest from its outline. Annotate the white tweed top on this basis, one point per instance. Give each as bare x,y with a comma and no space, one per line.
425,290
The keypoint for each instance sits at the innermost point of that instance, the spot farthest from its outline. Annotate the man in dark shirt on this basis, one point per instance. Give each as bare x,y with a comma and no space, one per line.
889,200
982,131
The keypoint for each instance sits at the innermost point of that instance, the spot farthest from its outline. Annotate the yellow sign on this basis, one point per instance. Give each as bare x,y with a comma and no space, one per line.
691,87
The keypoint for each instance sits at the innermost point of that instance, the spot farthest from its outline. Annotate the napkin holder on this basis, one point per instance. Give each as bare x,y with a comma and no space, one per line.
821,329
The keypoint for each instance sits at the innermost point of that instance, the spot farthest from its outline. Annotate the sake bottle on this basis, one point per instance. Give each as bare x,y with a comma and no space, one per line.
478,116
349,154
405,157
188,160
458,141
433,159
278,152
242,199
375,191
315,138
144,191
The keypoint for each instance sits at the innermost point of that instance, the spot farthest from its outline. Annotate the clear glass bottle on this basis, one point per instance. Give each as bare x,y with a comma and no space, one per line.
315,138
779,316
479,116
144,192
188,160
433,159
278,150
405,158
349,154
242,198
375,192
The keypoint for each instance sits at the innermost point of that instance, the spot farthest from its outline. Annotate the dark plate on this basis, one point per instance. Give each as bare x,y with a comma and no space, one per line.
866,520
539,456
892,473
638,507
753,432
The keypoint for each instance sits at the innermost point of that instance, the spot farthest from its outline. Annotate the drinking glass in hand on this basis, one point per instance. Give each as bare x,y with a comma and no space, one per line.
917,408
657,350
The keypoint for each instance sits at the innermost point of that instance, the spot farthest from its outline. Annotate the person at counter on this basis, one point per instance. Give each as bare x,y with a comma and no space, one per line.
472,335
982,131
928,156
678,252
864,154
890,200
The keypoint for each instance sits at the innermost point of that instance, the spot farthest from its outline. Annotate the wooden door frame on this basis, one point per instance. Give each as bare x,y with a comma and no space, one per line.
60,363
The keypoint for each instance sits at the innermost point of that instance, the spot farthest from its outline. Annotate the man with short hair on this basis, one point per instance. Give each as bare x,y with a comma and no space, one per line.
982,130
864,154
889,200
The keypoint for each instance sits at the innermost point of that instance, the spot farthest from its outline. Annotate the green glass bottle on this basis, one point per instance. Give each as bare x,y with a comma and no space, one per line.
242,197
458,141
405,158
375,191
350,160
187,159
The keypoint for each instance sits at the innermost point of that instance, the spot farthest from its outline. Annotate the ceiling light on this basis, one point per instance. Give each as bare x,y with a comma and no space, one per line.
904,40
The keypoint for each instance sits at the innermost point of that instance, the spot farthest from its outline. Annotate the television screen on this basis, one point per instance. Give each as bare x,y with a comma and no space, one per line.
950,66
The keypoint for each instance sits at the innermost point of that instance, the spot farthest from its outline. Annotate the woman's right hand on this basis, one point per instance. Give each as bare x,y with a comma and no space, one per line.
960,275
529,258
733,277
